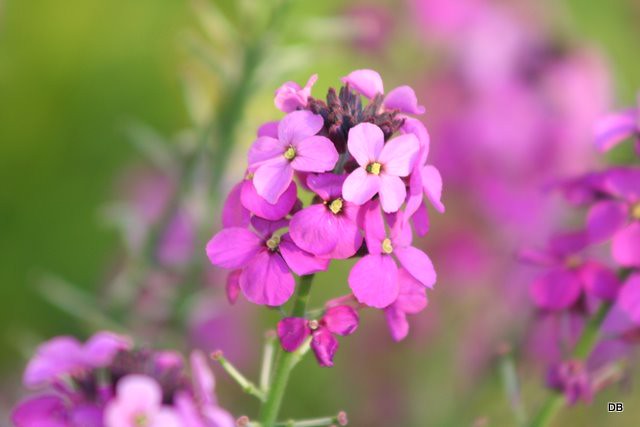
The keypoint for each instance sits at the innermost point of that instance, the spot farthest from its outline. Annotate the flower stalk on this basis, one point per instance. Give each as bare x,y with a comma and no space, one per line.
247,386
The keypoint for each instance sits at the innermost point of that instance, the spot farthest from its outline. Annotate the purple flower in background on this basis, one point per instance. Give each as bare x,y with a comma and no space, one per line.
629,298
374,278
327,229
290,96
265,258
382,166
569,275
297,148
138,402
54,411
338,320
369,83
614,128
412,299
618,216
572,379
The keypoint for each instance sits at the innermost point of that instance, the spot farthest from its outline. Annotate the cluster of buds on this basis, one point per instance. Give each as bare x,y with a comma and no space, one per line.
106,382
365,167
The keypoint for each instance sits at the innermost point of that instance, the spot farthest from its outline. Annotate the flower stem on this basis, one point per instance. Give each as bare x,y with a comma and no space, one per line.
583,348
247,386
286,361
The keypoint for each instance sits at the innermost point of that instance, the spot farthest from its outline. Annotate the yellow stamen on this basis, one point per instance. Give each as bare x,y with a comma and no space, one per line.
141,420
249,176
313,325
290,153
573,261
374,168
387,248
635,211
273,243
335,206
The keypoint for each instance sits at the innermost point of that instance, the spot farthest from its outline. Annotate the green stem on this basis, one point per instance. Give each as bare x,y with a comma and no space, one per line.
582,350
246,385
286,361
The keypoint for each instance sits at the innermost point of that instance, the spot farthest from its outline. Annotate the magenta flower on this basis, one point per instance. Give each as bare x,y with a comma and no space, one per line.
339,320
369,83
629,298
381,166
614,128
374,279
138,402
618,216
327,229
572,379
54,411
569,276
290,96
412,299
62,356
297,148
265,258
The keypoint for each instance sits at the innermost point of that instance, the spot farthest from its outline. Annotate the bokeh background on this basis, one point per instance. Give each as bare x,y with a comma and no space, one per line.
78,78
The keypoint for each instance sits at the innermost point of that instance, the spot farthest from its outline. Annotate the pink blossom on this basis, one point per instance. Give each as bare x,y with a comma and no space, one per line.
297,148
412,299
572,379
381,166
54,411
614,128
290,96
338,320
265,258
327,229
138,402
369,83
374,279
629,299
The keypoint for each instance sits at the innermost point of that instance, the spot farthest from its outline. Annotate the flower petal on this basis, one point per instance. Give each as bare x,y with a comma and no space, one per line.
102,347
341,320
626,246
373,225
267,280
233,247
399,155
315,154
420,220
324,346
360,186
292,332
629,298
264,149
374,280
365,143
269,129
367,82
56,357
349,236
432,183
313,229
233,286
605,218
612,129
252,201
272,179
599,280
418,264
301,262
556,290
299,125
45,411
392,192
326,185
403,99
418,128
204,383
412,297
397,323
139,393
234,214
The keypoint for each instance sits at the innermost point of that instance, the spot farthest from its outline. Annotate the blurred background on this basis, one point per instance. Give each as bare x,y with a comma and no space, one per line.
103,103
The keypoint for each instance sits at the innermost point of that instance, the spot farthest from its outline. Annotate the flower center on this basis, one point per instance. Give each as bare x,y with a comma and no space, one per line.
313,325
336,206
290,153
140,420
374,168
273,243
635,211
573,261
387,247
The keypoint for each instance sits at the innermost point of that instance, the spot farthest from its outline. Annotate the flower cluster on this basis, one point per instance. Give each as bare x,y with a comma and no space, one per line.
106,382
364,167
601,288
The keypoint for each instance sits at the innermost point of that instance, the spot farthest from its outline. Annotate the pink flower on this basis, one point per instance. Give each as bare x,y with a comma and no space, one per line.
382,166
629,298
614,128
339,320
374,279
369,83
265,258
290,96
572,379
569,276
53,411
327,229
138,402
412,299
297,148
65,356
